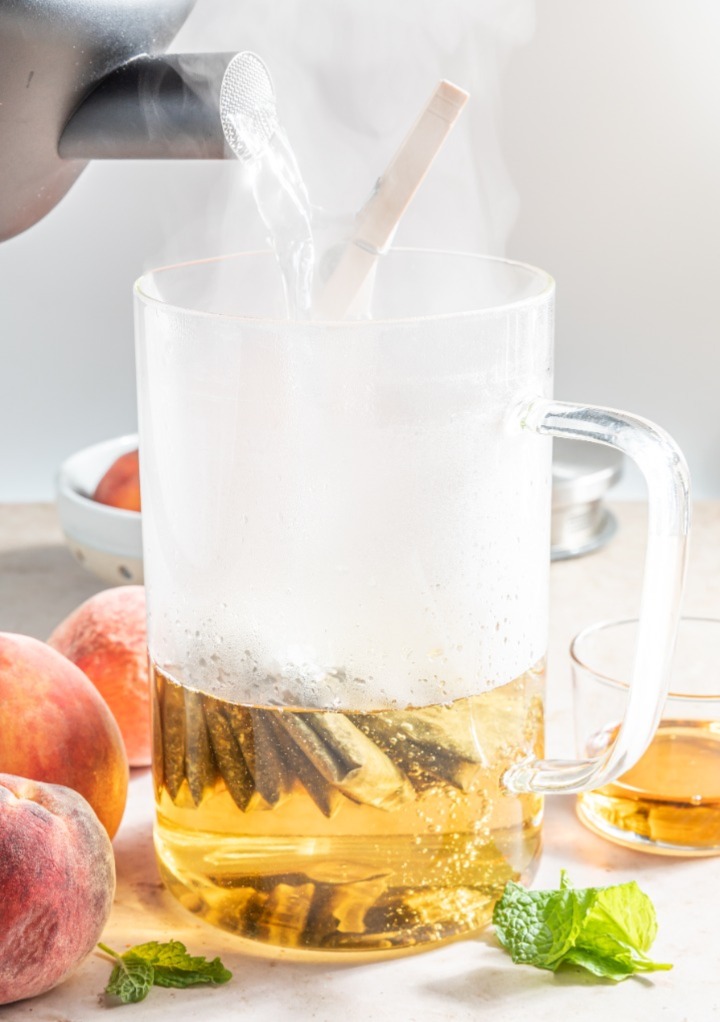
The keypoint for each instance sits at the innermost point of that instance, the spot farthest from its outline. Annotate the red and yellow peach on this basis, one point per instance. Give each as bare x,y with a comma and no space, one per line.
57,881
106,638
57,728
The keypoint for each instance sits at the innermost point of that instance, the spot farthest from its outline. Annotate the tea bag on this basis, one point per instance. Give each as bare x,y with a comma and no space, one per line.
231,762
347,759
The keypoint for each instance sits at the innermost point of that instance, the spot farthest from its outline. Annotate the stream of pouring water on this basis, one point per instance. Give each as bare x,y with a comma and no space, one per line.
249,117
250,122
284,207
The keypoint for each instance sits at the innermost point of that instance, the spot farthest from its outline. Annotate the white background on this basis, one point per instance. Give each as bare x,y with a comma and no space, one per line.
591,148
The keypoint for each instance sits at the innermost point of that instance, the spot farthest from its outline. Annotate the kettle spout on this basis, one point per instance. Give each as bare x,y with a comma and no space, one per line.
152,107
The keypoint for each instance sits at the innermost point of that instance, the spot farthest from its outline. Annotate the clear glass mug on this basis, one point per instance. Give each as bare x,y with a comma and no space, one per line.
346,540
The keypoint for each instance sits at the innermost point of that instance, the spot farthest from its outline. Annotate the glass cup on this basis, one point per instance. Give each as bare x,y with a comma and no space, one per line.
669,801
346,532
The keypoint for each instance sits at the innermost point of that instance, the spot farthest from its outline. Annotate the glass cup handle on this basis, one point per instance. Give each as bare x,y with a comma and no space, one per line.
668,485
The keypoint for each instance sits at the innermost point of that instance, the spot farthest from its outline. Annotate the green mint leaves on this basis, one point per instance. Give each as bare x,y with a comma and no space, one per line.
164,965
130,981
606,930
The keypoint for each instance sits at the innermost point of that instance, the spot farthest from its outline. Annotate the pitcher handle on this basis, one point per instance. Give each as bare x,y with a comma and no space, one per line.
668,486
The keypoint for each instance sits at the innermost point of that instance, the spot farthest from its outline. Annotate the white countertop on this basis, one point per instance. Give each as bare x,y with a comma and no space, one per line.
40,584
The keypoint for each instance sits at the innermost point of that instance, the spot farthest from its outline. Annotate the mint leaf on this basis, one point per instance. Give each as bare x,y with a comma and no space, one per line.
174,967
162,964
130,981
172,953
212,972
537,927
607,968
623,912
605,930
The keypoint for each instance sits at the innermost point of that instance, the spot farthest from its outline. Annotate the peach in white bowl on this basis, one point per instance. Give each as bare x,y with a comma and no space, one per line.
104,539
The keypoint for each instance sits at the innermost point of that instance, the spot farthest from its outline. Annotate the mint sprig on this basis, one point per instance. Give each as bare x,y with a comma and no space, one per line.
160,964
606,930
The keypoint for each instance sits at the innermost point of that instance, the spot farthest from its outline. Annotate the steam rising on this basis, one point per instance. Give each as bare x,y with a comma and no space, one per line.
349,79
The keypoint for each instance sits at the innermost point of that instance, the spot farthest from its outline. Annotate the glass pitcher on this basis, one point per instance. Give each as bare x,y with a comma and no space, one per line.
346,533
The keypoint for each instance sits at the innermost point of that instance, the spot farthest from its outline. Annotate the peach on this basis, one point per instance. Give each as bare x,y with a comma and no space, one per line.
106,638
56,727
57,881
120,486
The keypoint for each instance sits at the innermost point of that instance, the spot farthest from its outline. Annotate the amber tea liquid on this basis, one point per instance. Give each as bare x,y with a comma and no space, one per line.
669,802
331,832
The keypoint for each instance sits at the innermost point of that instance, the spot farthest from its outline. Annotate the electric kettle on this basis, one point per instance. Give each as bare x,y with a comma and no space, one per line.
89,79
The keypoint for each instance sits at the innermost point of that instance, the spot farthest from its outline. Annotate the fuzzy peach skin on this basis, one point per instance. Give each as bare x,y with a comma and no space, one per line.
56,727
57,881
120,486
106,638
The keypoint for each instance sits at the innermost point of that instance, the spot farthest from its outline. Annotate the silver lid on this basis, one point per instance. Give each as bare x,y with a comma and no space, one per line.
583,471
582,474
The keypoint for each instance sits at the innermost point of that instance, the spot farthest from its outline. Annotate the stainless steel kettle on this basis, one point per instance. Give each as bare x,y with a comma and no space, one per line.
86,79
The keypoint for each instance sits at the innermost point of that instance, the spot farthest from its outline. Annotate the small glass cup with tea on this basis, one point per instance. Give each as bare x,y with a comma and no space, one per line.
669,801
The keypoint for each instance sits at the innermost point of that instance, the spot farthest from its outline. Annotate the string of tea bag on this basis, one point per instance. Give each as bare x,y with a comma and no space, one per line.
377,221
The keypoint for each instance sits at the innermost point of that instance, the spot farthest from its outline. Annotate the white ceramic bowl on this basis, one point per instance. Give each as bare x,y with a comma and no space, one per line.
105,540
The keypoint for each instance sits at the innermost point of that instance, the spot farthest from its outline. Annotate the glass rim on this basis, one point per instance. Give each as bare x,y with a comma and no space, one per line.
547,289
617,683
